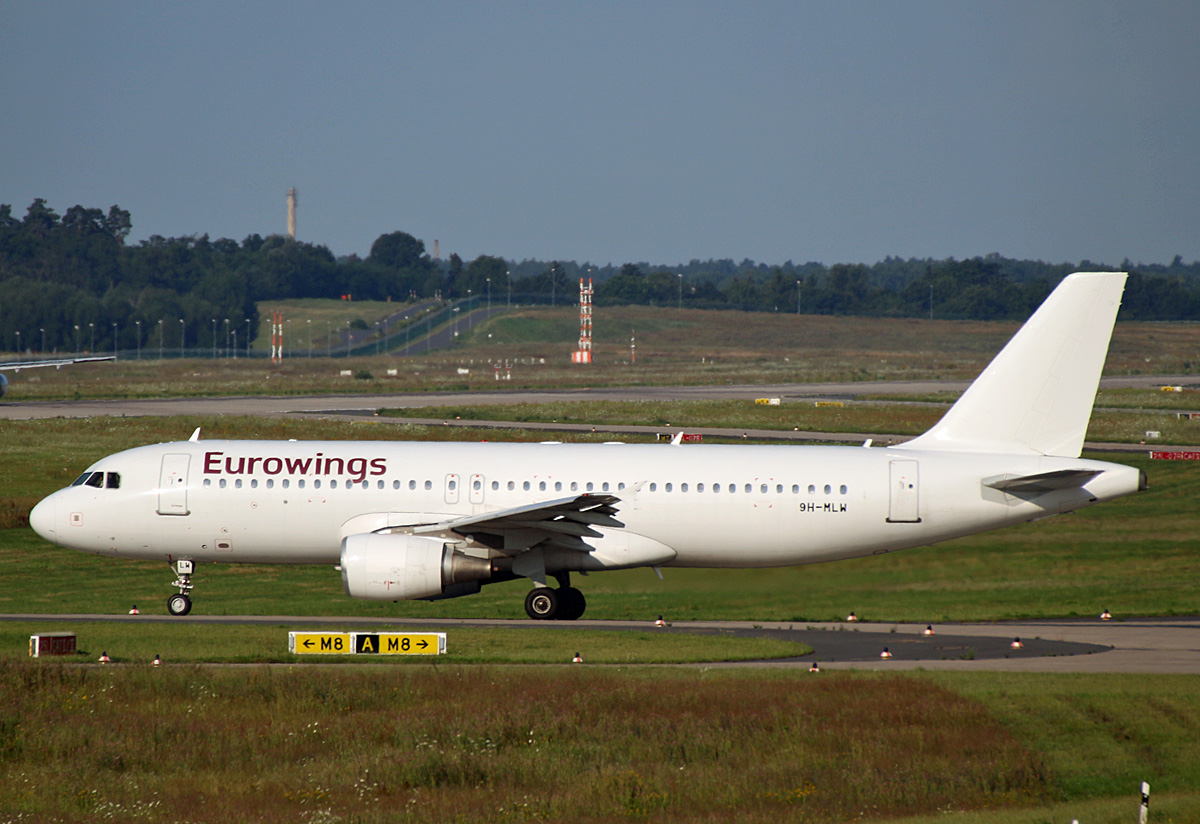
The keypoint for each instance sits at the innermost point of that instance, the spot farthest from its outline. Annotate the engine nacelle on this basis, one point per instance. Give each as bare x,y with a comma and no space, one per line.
381,567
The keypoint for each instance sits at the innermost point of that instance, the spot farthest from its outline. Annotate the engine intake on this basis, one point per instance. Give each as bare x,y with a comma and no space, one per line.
385,567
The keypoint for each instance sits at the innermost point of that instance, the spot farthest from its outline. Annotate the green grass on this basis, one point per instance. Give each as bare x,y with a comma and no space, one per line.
180,642
465,744
1134,556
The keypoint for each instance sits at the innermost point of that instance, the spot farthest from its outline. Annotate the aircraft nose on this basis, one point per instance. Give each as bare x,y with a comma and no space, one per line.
43,518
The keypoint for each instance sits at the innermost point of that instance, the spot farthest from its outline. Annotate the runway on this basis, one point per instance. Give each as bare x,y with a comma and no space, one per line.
1162,646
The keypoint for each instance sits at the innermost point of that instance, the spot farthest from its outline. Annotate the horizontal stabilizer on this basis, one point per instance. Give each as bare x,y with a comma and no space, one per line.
1045,481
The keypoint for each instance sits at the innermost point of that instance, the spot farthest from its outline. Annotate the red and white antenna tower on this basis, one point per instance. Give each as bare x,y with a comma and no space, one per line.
584,353
277,337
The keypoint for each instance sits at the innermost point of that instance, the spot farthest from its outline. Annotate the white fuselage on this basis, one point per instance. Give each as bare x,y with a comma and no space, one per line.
696,505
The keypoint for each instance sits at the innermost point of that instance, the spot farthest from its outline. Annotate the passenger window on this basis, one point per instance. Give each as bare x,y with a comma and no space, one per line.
763,489
511,486
828,489
653,487
237,484
778,489
286,483
683,487
300,483
667,487
270,483
222,483
589,486
317,484
574,486
208,481
412,484
113,481
377,486
332,484
525,486
795,489
699,487
842,489
428,485
812,489
453,485
558,486
254,483
542,486
604,486
620,486
495,486
716,487
477,484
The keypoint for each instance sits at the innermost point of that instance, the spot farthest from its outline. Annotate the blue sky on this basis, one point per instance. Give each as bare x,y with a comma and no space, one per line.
621,131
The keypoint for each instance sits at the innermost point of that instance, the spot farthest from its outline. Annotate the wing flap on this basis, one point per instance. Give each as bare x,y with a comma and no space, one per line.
561,523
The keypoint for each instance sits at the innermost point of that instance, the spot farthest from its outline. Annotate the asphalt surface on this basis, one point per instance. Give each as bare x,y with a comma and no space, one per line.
1166,646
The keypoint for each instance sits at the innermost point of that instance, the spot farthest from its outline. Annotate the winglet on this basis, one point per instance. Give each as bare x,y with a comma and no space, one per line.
1036,396
195,435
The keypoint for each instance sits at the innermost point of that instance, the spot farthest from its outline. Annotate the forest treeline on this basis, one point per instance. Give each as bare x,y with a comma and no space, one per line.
71,282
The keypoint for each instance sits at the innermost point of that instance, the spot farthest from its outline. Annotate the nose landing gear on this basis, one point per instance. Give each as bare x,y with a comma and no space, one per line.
180,603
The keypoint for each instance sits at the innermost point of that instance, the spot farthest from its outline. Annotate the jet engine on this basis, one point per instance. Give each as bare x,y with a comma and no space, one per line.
385,567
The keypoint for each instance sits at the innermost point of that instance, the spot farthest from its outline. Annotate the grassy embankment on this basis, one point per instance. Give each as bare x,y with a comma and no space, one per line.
673,347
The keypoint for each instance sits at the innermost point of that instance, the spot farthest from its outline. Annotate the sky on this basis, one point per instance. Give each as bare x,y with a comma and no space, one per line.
613,132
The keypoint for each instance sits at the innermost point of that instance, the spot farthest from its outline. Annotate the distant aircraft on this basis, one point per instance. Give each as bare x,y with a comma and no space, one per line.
17,366
407,521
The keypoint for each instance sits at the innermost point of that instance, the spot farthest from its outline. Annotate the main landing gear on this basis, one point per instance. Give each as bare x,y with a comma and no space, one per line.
564,603
180,603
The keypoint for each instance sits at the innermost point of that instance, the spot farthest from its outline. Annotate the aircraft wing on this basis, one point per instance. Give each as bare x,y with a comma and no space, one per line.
17,366
561,523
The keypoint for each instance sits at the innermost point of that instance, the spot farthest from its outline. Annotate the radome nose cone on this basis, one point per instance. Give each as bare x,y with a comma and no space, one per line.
42,518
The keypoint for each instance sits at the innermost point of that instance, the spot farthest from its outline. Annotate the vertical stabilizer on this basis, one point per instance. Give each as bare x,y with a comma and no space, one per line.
1036,395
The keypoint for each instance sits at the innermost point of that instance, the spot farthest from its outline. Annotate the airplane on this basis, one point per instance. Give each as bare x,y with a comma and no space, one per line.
415,520
58,363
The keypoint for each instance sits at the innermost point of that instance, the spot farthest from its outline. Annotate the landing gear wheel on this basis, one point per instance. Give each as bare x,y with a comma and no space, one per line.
542,603
571,603
179,604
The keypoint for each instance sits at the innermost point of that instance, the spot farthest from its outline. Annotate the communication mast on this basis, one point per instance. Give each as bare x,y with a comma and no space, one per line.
584,353
291,203
277,337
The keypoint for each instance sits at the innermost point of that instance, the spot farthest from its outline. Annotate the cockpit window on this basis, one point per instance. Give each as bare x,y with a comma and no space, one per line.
100,480
81,479
97,480
113,480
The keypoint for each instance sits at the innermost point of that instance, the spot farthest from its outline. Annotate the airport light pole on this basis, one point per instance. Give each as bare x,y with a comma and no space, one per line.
214,340
18,343
92,347
508,278
681,290
226,337
114,326
182,339
138,341
160,338
43,331
77,338
798,288
309,322
247,337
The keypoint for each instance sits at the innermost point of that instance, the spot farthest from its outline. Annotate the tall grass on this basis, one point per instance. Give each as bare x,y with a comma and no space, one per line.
450,744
